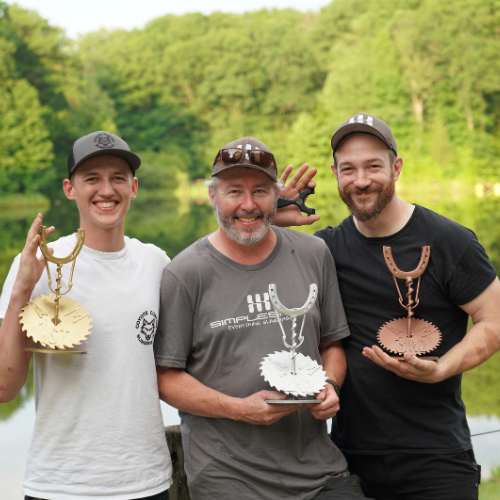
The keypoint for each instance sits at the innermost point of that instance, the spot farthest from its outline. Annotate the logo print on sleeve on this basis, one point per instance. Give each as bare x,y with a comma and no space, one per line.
147,324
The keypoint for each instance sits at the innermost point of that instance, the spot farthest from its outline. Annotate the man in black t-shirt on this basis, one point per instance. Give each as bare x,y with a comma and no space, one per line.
401,423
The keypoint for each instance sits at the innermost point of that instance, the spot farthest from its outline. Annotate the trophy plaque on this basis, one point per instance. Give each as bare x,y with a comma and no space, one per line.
409,335
56,323
291,372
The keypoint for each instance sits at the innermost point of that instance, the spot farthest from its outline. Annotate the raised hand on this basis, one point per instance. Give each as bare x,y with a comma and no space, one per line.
291,215
31,267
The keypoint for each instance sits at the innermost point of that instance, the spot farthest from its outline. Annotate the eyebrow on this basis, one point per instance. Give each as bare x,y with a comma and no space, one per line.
235,184
369,160
96,172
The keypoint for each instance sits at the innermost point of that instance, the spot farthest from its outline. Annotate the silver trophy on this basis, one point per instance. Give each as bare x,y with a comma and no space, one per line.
290,371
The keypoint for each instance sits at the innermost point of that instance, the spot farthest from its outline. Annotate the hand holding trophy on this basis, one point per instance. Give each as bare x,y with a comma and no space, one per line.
293,373
56,323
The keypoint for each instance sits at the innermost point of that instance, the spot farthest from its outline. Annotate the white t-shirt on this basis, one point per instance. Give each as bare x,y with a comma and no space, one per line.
99,429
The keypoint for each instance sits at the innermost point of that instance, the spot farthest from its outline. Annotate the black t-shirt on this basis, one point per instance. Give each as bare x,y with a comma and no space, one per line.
381,413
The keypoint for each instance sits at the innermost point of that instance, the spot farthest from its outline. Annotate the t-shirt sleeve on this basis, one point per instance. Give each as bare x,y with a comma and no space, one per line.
333,321
174,338
473,274
8,287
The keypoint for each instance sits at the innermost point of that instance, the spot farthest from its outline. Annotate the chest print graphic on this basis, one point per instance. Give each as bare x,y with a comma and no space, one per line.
147,324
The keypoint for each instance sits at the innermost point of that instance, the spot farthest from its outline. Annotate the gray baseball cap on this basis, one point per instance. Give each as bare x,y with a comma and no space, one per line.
246,152
363,122
97,144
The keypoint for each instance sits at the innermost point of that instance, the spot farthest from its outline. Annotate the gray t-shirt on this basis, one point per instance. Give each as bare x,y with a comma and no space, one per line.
217,323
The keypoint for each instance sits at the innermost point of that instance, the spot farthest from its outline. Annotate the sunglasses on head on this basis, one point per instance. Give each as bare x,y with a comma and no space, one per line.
234,156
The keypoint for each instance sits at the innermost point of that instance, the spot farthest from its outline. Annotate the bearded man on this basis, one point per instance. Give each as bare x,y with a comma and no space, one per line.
216,326
402,424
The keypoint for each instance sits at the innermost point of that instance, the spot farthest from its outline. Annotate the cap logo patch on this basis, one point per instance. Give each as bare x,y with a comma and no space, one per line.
361,119
104,141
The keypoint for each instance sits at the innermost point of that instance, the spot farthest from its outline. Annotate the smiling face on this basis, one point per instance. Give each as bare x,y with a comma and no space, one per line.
366,175
245,204
102,188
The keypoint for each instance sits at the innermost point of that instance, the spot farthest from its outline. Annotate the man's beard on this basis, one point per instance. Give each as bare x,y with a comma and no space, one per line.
384,196
248,236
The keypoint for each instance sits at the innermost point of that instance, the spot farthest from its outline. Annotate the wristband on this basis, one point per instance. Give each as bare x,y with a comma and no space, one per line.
335,385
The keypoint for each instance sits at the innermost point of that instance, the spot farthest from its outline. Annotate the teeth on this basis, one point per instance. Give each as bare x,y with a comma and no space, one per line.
247,219
106,204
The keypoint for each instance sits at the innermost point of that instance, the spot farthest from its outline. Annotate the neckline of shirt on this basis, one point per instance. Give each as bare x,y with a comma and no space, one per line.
252,267
385,239
98,255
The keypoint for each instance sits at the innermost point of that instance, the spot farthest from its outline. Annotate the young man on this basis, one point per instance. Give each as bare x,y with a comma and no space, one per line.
216,326
99,430
402,423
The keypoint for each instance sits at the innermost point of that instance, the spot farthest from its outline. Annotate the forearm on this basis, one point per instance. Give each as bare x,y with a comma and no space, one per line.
14,360
182,391
480,343
334,361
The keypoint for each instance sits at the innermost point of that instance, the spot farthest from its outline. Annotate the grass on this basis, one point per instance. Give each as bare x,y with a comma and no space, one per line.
490,489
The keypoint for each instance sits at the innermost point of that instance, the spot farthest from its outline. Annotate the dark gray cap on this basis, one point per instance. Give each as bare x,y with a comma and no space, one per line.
247,144
363,122
97,144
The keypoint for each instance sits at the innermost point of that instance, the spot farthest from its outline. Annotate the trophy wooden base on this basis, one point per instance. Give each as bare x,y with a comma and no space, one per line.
53,351
293,401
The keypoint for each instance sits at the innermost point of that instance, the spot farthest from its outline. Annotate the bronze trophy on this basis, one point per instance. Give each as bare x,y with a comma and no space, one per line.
56,323
409,335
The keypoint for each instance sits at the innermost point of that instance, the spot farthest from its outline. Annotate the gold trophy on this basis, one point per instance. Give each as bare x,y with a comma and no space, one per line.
56,323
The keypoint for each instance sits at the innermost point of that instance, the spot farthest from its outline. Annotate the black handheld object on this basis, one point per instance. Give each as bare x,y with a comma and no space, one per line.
299,201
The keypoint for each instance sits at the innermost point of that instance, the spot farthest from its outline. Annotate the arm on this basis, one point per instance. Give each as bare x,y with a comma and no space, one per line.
480,343
182,391
335,366
14,360
291,215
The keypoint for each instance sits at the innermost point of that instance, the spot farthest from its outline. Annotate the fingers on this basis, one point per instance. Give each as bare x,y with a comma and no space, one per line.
35,227
306,221
410,367
285,174
307,181
329,407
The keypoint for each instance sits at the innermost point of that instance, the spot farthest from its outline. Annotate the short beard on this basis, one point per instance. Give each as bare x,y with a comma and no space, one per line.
385,195
251,236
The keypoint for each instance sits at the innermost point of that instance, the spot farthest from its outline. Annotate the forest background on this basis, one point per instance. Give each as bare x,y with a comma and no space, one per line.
183,86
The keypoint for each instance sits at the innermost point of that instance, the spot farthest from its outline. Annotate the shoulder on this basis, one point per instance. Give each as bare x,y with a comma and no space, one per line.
298,239
192,260
330,233
147,250
442,227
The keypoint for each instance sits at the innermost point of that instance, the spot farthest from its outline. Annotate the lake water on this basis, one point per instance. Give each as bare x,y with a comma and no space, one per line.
175,224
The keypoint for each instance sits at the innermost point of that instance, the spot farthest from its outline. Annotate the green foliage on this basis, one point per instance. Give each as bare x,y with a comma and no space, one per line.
185,85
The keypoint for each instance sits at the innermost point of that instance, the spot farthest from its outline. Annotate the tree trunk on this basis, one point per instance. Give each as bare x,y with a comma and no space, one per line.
179,489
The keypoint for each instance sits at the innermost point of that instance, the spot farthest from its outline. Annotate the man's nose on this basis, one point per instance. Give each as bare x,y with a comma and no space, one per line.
247,202
361,180
105,188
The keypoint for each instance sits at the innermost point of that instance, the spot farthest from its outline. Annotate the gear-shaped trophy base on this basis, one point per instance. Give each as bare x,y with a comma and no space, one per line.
425,337
308,379
37,319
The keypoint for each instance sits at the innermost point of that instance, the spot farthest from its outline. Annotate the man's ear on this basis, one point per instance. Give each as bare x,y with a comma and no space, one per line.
334,170
211,196
397,166
68,189
135,186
